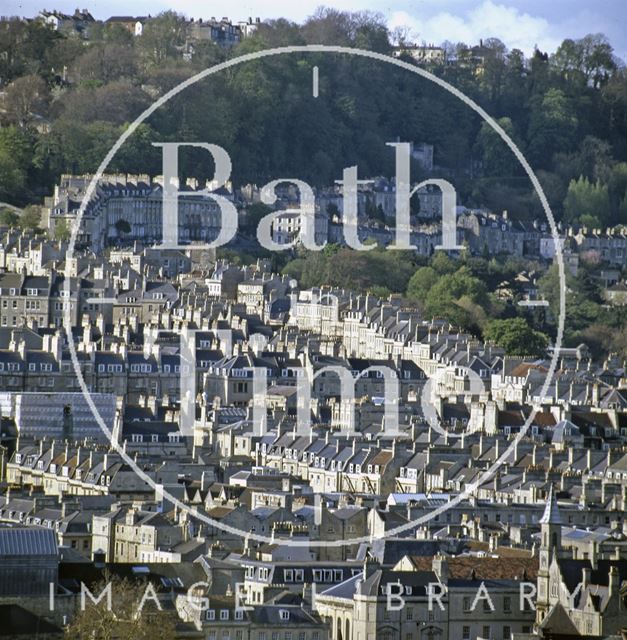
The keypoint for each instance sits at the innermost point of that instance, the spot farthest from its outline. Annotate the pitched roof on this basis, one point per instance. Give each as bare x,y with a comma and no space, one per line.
28,542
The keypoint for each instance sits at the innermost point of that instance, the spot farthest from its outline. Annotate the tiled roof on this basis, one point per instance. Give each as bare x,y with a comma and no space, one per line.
462,567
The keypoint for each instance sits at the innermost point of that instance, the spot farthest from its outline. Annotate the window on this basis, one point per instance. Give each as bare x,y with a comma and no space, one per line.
289,575
486,631
467,603
507,604
410,613
224,614
284,614
507,633
210,614
466,633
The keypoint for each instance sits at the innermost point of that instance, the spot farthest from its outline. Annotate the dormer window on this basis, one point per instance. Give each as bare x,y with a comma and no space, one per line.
284,614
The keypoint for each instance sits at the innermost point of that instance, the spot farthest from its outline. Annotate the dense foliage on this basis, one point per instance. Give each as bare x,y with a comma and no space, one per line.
67,100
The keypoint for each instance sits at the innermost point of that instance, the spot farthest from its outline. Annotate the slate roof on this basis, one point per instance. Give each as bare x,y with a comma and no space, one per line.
27,542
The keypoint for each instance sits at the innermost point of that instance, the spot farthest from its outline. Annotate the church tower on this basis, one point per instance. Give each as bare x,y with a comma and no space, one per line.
550,546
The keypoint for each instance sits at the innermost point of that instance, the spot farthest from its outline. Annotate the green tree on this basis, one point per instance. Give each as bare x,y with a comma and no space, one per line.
497,159
457,297
421,282
617,191
587,202
254,214
31,217
162,37
15,159
105,62
589,60
62,232
442,263
552,126
9,218
12,176
516,337
25,99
